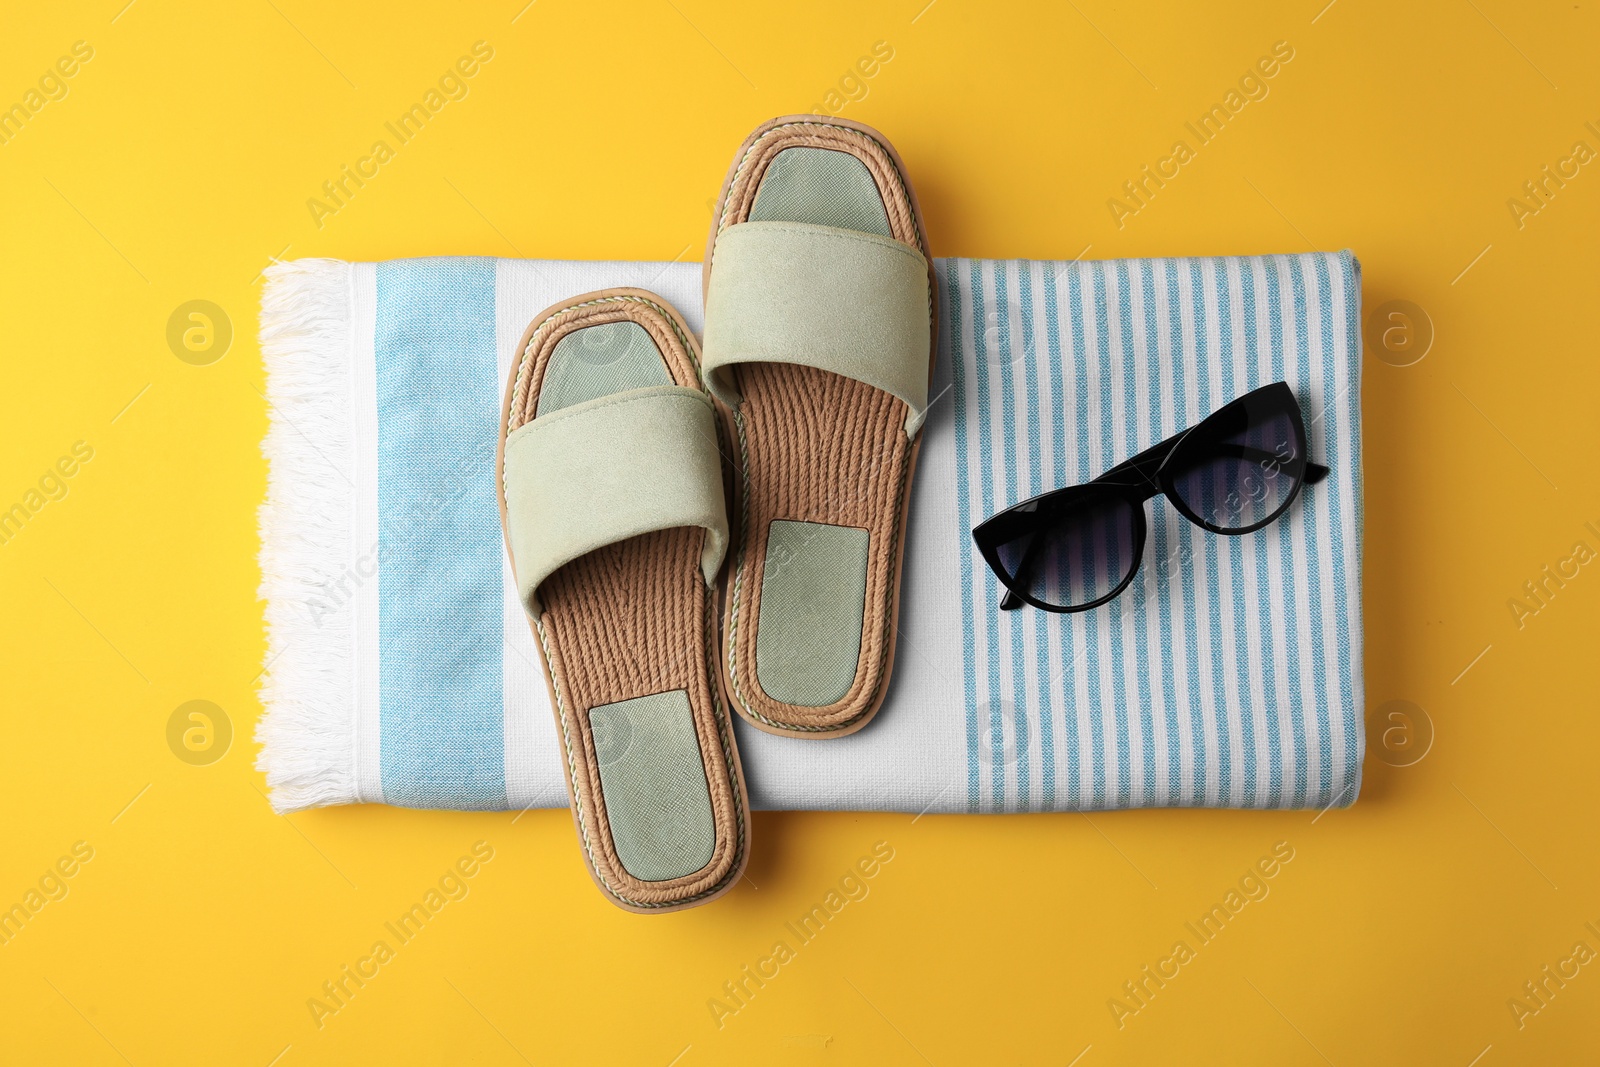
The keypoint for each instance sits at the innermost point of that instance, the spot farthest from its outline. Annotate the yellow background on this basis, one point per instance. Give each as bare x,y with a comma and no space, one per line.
181,160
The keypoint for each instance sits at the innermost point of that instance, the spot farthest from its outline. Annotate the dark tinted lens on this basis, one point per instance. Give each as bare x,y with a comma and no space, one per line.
1240,467
1075,556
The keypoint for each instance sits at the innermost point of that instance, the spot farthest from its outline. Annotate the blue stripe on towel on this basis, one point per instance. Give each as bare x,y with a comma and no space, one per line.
1162,426
1119,703
1207,403
439,538
1184,367
1313,505
1086,660
1033,371
1291,650
1269,682
1047,666
1131,395
1232,388
1012,626
1324,428
1161,581
1349,424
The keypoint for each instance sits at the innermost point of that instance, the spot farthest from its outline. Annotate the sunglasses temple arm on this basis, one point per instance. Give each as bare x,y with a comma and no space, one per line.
1315,472
1011,601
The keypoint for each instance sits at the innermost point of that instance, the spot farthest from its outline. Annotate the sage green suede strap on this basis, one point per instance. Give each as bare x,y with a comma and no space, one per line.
845,301
609,469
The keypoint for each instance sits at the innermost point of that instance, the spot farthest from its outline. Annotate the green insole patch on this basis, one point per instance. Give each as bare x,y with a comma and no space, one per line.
597,361
654,785
813,601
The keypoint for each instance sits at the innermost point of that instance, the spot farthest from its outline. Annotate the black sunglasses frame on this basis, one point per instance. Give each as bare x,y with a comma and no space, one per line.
1149,474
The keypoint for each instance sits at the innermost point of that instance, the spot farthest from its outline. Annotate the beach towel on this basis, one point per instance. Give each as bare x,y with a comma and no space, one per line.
400,668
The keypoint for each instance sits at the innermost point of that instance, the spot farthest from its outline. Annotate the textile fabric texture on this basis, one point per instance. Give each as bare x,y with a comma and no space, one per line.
850,303
1228,675
610,468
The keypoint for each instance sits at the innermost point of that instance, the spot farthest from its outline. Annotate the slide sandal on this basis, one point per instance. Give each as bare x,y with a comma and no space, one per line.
819,342
611,495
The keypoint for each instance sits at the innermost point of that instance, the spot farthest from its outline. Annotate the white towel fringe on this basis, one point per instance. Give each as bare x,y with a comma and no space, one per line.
307,730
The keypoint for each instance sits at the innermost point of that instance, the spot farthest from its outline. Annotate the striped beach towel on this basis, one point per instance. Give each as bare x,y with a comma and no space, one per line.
401,669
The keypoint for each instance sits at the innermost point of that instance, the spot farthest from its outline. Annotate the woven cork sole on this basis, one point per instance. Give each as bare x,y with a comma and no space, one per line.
629,620
817,447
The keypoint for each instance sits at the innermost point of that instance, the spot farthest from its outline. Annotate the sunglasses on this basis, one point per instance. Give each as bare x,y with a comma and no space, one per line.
1075,548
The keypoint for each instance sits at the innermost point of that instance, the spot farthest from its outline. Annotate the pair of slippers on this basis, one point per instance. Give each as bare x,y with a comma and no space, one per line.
618,439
